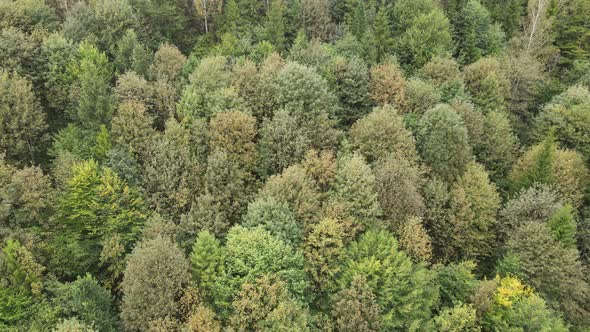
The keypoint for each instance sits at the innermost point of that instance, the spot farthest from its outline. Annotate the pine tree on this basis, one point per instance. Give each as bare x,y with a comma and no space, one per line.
207,261
540,169
382,34
358,23
275,24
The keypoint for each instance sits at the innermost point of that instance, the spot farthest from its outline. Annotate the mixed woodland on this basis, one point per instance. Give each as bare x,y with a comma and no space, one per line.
294,165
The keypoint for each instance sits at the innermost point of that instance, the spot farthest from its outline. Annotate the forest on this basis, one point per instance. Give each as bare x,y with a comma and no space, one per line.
295,165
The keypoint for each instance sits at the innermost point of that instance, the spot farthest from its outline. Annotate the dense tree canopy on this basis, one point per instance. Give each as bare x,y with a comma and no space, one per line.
294,165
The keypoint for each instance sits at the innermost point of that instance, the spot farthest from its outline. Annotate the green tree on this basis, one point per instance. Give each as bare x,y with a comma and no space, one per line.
398,182
275,217
21,282
563,226
358,22
545,164
350,79
424,32
535,204
567,114
572,29
26,198
95,205
461,317
155,274
306,95
487,83
261,302
131,55
553,270
275,24
356,309
22,121
497,149
382,133
92,103
233,133
354,185
298,190
421,96
382,34
208,90
403,290
515,306
475,34
507,13
324,252
252,253
446,76
443,142
282,143
437,217
58,53
457,283
171,169
206,260
87,301
131,129
475,202
72,325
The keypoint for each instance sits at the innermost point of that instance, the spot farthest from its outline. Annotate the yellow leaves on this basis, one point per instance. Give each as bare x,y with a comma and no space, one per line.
510,290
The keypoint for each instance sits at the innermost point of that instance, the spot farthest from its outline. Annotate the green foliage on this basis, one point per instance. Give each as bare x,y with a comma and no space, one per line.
474,202
487,83
92,103
87,301
398,181
22,121
443,142
457,283
323,252
567,114
404,291
563,226
382,133
265,304
475,34
282,143
26,197
275,24
356,309
516,306
571,31
350,78
96,204
424,32
354,185
308,165
275,217
553,270
20,284
251,253
155,274
545,164
206,261
461,317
